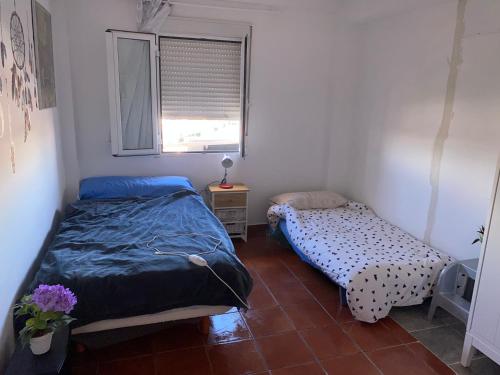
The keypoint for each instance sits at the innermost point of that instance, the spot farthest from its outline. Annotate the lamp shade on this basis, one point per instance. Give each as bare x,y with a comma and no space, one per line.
227,162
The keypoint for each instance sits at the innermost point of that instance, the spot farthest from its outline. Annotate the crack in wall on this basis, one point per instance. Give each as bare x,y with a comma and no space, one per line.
444,129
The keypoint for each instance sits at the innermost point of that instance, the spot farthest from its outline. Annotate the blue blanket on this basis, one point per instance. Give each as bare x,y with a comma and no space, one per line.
105,252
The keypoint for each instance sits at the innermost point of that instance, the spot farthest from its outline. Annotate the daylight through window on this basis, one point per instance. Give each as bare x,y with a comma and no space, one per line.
201,85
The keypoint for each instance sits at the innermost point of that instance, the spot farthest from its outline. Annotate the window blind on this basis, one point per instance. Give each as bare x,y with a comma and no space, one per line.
200,79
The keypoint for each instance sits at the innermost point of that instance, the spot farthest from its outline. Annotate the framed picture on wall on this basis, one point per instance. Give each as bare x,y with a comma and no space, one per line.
44,56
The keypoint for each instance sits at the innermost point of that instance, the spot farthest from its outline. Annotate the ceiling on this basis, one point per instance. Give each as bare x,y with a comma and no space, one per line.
366,10
352,10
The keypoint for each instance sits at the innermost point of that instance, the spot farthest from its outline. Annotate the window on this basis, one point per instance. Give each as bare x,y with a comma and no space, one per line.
132,93
202,94
177,94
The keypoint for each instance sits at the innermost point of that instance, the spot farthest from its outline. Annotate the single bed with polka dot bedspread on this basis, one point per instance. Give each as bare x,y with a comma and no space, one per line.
378,264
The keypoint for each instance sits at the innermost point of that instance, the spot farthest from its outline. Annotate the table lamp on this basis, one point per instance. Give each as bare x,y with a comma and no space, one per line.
226,162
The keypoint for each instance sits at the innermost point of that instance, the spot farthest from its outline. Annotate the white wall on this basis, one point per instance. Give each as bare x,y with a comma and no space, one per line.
356,106
344,82
347,96
392,124
289,115
29,198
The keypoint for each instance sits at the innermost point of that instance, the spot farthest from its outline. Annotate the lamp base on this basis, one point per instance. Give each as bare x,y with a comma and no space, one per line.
226,186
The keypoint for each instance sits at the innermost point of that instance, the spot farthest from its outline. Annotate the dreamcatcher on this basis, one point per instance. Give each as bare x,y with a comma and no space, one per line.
17,39
20,74
18,54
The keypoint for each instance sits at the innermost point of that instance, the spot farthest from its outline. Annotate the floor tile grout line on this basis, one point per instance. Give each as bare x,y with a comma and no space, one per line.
359,346
155,369
428,328
294,365
127,357
299,332
312,294
293,274
254,339
447,365
288,317
366,353
385,348
432,351
373,363
261,356
303,281
210,364
303,285
280,306
316,359
450,325
340,324
264,284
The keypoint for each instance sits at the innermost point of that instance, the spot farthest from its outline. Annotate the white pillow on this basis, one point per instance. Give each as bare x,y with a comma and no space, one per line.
310,200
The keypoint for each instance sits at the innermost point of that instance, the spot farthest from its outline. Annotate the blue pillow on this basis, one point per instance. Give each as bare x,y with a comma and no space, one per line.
127,187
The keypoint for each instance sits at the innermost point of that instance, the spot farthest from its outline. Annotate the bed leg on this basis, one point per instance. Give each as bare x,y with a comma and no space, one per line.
204,325
343,296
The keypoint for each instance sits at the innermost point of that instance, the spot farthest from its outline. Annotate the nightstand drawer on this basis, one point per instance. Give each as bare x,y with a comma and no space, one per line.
237,228
230,200
231,215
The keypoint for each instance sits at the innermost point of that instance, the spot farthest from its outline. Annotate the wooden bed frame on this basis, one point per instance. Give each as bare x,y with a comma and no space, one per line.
203,312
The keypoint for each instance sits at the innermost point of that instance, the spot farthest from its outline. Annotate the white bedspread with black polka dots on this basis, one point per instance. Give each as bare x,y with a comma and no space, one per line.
378,264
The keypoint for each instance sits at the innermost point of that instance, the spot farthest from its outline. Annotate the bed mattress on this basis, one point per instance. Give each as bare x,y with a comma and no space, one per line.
378,264
302,256
105,251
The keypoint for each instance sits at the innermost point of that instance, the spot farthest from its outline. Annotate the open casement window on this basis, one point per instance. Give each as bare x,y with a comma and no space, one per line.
132,79
203,94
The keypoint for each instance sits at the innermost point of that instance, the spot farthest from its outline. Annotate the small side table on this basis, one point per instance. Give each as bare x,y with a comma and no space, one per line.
23,362
230,206
449,292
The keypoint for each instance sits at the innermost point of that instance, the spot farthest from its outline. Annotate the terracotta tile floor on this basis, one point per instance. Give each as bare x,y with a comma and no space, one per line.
295,326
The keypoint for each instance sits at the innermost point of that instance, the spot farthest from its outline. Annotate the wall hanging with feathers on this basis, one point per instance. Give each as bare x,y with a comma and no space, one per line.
17,78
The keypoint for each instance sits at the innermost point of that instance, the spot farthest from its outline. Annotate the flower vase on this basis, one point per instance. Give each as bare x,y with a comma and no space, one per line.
41,344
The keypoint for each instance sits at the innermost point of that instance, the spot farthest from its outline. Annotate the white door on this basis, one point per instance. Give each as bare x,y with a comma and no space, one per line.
486,321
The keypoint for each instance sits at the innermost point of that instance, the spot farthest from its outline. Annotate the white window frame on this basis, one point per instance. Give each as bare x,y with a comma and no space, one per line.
112,37
244,63
177,26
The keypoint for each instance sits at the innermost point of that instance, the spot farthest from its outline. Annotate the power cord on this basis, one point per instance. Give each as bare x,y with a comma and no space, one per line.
196,259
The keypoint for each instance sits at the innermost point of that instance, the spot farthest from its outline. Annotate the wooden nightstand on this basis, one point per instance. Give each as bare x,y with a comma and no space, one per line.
230,206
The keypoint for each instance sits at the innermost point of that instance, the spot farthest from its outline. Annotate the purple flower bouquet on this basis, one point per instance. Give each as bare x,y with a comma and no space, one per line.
48,308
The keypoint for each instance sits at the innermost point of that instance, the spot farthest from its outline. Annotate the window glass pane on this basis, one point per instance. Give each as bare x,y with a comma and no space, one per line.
200,95
201,135
134,70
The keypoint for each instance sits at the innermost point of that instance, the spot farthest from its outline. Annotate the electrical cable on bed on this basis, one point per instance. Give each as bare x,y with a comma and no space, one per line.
195,258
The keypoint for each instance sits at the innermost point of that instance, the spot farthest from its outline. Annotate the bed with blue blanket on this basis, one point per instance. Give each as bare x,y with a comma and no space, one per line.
121,251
